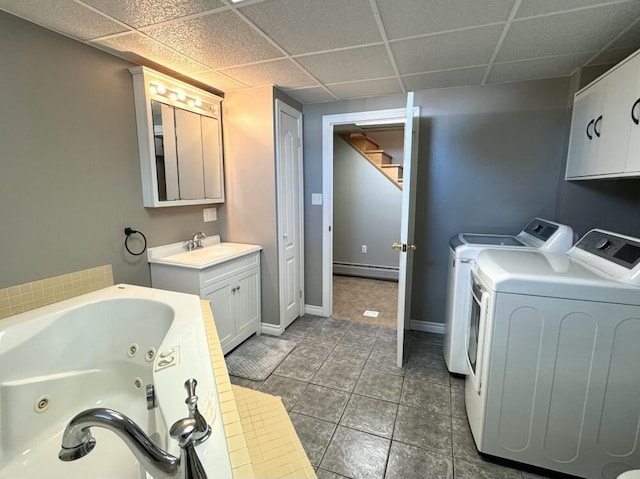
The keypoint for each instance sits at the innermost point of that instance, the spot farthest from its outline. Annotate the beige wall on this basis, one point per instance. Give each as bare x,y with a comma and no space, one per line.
69,169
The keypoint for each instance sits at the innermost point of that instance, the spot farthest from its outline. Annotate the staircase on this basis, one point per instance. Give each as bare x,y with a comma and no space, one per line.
377,157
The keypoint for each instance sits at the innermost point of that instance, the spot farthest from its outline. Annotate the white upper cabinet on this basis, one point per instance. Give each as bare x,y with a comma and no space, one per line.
179,141
605,136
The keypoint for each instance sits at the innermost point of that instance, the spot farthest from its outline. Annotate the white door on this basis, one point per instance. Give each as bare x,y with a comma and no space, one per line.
407,222
289,170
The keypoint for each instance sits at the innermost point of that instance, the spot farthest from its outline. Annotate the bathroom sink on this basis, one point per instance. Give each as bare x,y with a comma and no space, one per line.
213,252
202,255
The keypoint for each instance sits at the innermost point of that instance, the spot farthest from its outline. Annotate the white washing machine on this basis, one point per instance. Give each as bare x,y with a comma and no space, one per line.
554,356
539,234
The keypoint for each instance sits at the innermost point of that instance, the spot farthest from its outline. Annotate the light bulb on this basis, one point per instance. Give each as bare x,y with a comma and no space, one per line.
173,96
153,90
181,95
161,89
191,102
198,102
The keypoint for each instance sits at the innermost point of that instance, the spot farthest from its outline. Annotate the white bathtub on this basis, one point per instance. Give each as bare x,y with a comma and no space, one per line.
101,350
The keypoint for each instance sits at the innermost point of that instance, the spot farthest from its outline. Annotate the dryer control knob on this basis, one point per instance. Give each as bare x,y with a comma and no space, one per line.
603,244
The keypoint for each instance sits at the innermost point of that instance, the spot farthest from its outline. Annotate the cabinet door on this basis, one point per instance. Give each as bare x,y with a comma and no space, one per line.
246,299
189,145
212,158
586,132
220,296
616,122
632,115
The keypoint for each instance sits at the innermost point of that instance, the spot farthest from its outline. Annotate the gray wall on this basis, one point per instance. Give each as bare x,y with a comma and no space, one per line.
69,170
490,158
366,209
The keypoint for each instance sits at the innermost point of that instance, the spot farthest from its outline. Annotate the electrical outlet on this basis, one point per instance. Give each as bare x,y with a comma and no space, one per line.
364,248
316,198
209,214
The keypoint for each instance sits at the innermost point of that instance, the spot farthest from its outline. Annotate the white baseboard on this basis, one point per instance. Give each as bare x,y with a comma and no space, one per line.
314,310
271,329
427,326
366,271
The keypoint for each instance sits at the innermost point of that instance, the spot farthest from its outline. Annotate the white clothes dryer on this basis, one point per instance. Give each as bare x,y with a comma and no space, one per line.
553,354
539,234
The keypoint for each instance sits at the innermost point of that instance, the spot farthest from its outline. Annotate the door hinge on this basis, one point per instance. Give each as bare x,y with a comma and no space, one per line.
329,227
300,293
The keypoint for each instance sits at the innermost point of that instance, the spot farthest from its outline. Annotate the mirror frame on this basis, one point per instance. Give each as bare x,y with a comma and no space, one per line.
143,78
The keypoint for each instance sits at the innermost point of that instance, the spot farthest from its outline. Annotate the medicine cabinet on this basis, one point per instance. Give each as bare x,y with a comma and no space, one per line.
179,141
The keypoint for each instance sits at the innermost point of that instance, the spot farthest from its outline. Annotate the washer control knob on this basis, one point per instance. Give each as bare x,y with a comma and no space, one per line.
603,244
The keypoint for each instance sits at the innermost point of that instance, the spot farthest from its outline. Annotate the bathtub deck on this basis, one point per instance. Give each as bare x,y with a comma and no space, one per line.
260,436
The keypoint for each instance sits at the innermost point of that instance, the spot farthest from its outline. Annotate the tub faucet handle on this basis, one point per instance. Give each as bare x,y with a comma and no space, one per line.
184,432
202,429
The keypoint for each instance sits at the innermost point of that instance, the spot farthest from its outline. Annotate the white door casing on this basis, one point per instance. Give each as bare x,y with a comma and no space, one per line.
407,222
290,198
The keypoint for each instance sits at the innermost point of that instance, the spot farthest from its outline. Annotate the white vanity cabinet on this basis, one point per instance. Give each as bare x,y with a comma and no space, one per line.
605,131
231,285
179,141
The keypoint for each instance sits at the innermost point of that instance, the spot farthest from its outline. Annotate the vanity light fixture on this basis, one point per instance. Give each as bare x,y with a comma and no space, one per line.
178,95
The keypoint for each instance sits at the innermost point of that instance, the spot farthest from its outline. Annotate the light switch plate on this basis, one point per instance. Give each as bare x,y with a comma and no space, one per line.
209,214
316,198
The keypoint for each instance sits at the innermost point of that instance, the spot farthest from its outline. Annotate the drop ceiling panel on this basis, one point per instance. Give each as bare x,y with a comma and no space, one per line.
64,16
135,46
368,88
283,73
628,39
464,48
405,18
530,8
218,81
147,12
217,40
303,26
574,32
536,69
311,95
444,79
348,65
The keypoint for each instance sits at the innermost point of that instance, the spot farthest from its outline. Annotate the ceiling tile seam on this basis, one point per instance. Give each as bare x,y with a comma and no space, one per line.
360,81
105,15
573,10
383,33
503,35
191,16
336,50
547,57
611,42
191,75
443,32
483,65
276,45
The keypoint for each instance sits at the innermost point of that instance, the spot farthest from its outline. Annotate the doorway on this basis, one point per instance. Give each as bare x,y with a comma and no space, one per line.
367,208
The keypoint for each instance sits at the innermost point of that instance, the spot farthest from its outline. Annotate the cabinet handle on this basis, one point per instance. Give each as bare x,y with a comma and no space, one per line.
595,126
238,288
634,118
233,290
589,134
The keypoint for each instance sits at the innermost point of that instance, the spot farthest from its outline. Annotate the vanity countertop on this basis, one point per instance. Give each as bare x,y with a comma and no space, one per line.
213,252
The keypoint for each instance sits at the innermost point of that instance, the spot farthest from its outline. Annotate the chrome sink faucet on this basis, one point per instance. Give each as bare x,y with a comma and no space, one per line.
77,442
196,241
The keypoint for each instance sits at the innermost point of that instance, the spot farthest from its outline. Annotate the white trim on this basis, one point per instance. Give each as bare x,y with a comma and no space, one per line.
426,326
314,310
283,107
328,122
271,329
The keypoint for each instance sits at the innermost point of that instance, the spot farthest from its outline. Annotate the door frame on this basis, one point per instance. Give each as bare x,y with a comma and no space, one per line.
280,107
328,122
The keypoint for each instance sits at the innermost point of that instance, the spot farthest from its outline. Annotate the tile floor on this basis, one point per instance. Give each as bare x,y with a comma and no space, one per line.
360,416
352,296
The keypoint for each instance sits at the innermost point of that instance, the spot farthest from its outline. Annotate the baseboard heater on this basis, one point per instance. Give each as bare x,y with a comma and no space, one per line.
389,273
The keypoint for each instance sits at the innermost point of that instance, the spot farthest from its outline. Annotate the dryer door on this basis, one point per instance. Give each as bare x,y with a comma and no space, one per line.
476,332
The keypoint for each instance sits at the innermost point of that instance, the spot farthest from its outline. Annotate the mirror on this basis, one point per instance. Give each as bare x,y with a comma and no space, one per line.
186,154
179,140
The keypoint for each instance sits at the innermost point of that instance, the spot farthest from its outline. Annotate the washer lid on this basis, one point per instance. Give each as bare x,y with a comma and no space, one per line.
551,275
490,240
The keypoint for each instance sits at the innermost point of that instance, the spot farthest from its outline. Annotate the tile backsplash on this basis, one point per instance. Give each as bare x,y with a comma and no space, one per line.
27,296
